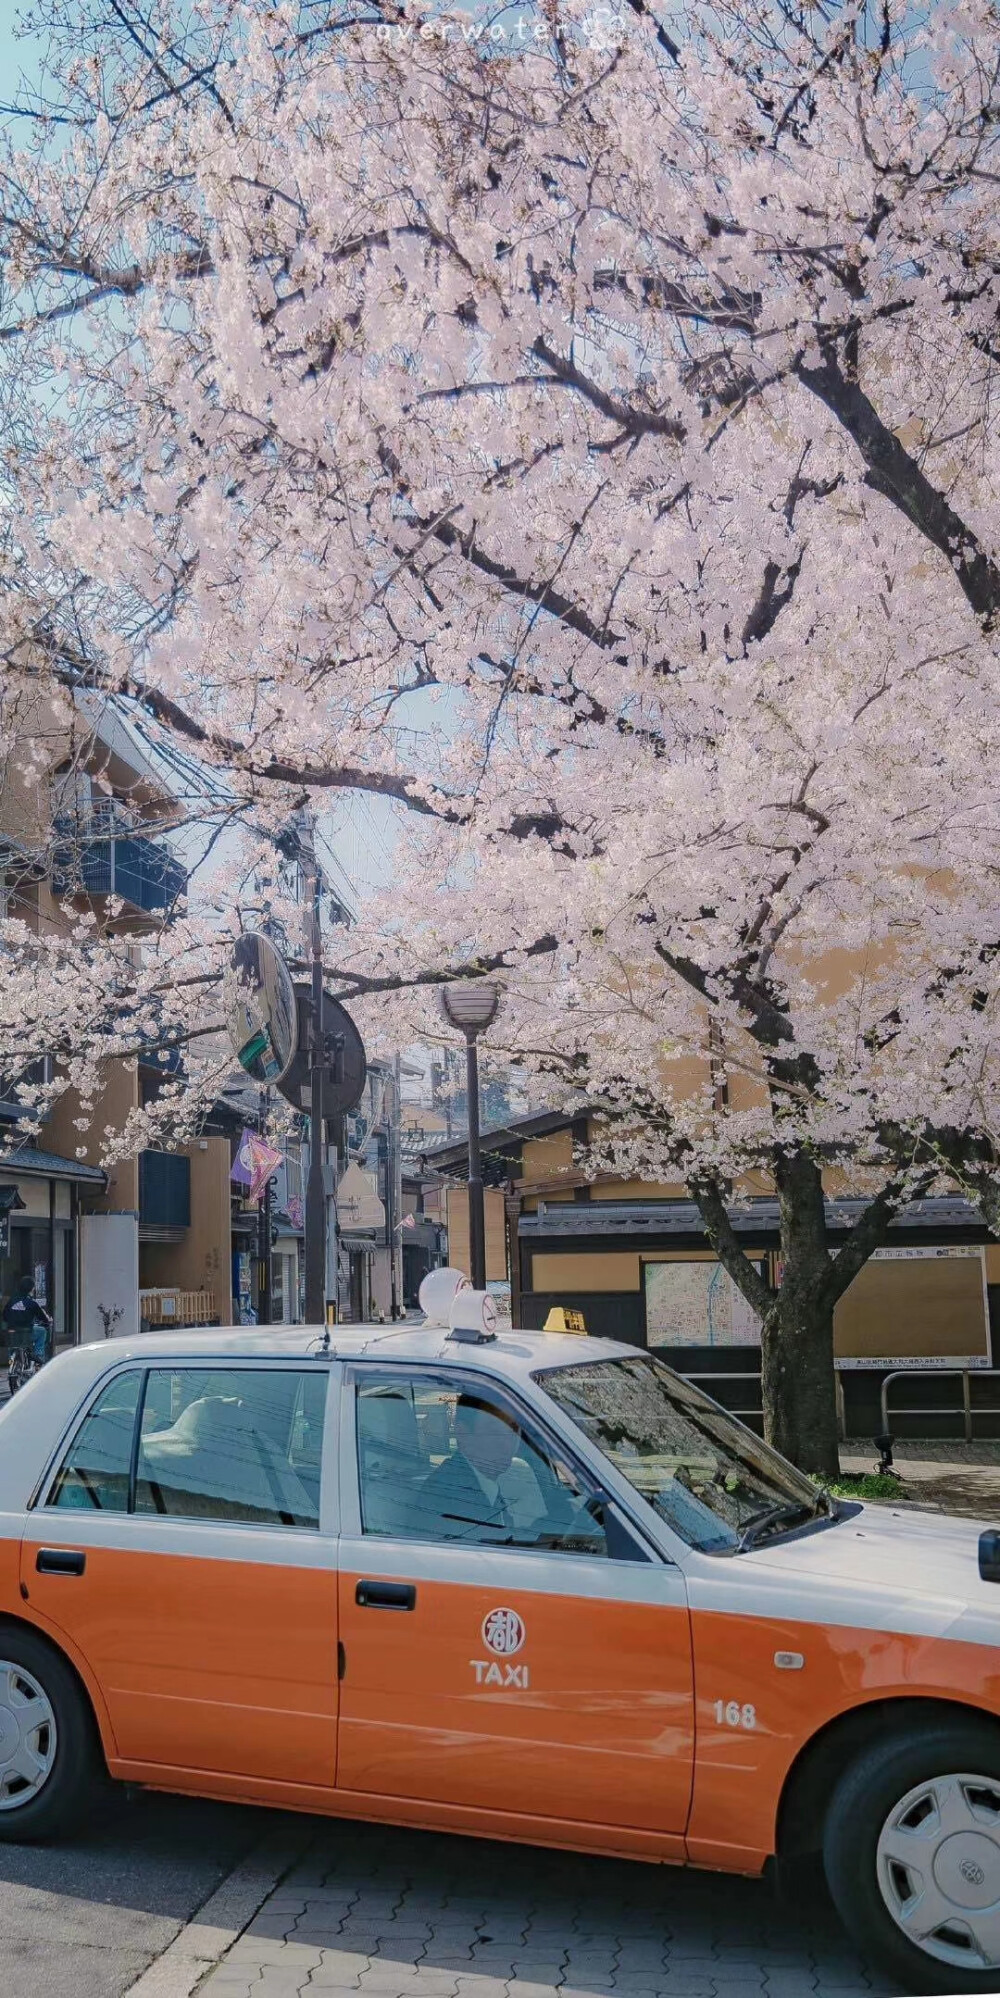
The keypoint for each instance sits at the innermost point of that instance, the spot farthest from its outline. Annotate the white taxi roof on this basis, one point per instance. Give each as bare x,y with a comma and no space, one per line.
33,1421
510,1352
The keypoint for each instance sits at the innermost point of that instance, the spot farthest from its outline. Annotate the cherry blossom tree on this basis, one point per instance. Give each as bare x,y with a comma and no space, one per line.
579,430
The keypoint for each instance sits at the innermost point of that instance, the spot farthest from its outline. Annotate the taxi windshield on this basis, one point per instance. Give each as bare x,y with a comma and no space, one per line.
712,1480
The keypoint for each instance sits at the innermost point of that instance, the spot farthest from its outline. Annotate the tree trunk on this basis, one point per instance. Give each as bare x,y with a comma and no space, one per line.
797,1378
799,1389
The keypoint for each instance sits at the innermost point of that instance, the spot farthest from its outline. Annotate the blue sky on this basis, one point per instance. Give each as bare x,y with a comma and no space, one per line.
17,52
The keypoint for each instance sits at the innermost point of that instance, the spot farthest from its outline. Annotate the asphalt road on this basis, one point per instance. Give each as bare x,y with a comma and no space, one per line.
83,1920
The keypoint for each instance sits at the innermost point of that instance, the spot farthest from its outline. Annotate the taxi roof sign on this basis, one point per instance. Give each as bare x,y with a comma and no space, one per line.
562,1320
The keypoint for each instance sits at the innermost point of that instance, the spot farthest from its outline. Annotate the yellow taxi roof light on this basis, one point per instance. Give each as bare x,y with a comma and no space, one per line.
560,1319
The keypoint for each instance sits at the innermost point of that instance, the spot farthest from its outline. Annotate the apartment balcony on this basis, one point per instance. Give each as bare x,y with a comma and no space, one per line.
164,1196
103,855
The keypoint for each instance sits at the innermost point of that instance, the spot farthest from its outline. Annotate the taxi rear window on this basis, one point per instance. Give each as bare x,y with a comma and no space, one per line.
218,1443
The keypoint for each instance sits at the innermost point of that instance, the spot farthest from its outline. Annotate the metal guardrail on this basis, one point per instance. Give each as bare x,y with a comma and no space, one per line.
965,1409
704,1380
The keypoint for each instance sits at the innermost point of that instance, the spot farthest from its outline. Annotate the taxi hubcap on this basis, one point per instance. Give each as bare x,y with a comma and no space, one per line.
27,1736
938,1863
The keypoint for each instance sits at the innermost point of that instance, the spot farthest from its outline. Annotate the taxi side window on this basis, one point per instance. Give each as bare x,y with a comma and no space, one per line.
229,1443
449,1460
94,1473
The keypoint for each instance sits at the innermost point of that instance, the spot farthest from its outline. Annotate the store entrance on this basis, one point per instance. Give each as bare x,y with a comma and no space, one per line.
28,1255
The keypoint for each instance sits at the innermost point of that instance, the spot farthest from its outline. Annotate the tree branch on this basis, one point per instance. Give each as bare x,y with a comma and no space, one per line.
897,476
870,1230
727,1246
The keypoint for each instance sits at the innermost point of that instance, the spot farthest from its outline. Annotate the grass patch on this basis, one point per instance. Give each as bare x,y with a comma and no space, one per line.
867,1485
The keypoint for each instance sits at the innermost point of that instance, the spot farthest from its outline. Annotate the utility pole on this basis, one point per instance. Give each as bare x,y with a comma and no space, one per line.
396,1144
264,1230
315,1215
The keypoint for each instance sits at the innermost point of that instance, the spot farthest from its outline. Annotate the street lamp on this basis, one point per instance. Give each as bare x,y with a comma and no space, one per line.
471,1005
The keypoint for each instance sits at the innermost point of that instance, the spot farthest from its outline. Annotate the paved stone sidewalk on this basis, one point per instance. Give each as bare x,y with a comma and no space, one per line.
952,1476
413,1915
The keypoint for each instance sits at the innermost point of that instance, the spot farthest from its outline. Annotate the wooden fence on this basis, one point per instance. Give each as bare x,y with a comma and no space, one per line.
177,1307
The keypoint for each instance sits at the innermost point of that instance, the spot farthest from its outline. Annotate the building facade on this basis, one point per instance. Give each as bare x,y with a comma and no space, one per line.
632,1258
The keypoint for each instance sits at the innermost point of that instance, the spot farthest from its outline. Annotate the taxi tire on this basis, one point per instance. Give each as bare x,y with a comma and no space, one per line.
78,1774
858,1808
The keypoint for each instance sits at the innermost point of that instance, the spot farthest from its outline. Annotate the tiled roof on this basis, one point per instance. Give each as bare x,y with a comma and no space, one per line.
755,1217
29,1161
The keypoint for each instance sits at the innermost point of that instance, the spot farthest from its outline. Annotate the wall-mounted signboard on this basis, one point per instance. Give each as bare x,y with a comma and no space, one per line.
920,1307
696,1304
916,1308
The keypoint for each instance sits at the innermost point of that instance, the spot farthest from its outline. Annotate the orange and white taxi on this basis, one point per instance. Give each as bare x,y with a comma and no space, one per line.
522,1586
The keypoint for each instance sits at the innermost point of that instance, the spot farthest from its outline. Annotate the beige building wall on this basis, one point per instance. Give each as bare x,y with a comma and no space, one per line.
593,1269
36,729
547,1157
119,1095
638,1189
202,1259
496,1233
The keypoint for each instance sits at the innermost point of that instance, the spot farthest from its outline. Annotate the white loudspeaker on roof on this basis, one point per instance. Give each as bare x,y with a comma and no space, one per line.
437,1294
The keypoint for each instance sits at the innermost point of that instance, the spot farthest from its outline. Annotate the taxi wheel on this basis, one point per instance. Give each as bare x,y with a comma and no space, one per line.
49,1756
912,1855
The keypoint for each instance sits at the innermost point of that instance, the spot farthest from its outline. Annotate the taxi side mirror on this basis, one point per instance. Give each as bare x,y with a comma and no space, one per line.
989,1554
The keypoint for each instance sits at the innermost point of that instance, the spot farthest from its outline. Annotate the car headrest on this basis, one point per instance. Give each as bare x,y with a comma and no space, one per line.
211,1420
388,1422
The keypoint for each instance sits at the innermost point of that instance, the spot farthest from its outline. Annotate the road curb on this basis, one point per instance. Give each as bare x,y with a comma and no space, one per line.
221,1920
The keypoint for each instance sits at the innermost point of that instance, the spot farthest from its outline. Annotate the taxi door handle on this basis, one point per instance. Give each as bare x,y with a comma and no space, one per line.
60,1561
386,1595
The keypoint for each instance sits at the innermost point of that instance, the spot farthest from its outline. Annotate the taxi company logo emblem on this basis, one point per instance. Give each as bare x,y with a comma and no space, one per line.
503,1632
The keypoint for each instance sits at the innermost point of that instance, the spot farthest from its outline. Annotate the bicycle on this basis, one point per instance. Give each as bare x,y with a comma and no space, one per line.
20,1368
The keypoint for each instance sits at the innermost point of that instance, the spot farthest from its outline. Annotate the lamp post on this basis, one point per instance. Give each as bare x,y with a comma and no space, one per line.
471,1005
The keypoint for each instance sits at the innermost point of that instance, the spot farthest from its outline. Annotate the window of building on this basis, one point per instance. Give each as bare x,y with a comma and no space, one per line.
446,1459
228,1443
94,1474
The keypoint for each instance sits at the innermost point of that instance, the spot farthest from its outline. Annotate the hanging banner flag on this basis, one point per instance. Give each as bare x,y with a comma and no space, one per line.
265,1162
256,1160
241,1164
293,1209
